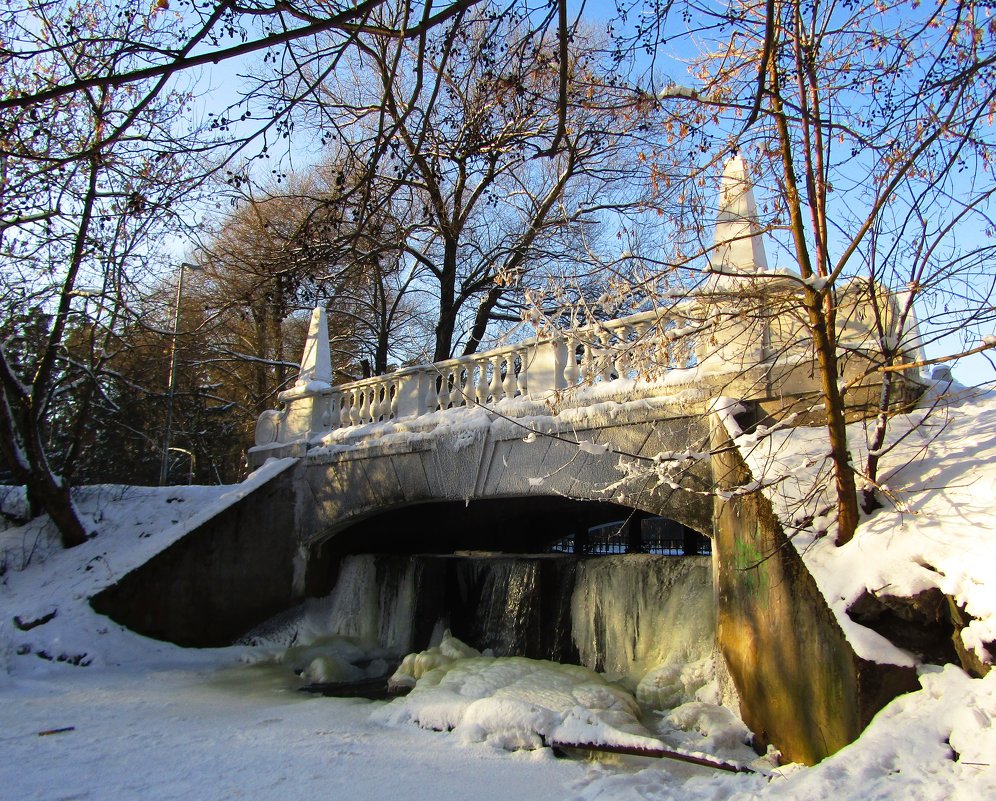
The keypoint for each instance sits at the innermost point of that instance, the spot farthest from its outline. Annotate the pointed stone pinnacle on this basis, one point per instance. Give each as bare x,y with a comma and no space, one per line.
316,363
738,238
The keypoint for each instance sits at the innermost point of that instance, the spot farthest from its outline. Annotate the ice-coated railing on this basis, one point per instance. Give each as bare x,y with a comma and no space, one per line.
536,368
533,368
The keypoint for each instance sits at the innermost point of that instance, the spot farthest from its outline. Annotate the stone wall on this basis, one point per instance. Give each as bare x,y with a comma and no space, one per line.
801,686
216,582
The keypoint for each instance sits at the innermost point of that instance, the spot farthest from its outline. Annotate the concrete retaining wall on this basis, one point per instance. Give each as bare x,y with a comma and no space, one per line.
801,686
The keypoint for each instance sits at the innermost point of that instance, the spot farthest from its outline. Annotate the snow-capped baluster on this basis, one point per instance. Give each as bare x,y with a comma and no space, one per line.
494,388
572,372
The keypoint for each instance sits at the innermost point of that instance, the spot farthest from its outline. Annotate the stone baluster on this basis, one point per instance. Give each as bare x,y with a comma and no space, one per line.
645,352
377,402
586,372
508,382
621,350
481,388
363,413
604,364
456,386
349,415
572,373
465,383
522,379
560,353
395,393
442,390
494,388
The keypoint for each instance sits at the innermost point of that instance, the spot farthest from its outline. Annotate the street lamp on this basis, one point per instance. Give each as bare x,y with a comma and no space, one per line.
164,466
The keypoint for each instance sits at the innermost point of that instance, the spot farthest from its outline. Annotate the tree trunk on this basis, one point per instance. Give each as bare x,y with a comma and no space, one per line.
21,445
482,318
448,307
823,336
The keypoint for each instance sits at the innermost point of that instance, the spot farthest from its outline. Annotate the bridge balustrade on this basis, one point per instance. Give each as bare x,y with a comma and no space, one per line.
533,368
718,333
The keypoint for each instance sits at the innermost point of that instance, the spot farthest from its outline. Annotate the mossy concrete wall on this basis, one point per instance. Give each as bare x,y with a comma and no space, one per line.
801,686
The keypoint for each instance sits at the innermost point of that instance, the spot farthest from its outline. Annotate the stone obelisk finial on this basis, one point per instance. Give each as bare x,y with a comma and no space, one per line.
316,363
738,247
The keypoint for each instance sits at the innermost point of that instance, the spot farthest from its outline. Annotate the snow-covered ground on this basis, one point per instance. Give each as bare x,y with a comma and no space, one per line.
90,710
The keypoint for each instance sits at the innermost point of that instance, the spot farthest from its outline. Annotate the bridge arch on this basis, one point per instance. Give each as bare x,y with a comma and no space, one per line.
494,472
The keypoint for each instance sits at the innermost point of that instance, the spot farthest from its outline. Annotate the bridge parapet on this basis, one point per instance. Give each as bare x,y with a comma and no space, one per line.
711,342
537,369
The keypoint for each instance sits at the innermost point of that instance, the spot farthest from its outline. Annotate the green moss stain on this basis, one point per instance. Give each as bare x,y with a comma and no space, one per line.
749,563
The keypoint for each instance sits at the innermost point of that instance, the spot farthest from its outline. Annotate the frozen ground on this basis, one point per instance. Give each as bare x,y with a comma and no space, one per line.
91,711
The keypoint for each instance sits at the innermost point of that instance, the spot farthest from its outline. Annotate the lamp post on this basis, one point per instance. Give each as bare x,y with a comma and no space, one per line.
164,465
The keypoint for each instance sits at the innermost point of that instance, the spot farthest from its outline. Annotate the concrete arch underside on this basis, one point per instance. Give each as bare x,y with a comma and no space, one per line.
517,469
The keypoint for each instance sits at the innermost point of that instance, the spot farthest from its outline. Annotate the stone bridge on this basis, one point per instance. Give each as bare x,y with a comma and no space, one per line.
509,448
617,410
517,447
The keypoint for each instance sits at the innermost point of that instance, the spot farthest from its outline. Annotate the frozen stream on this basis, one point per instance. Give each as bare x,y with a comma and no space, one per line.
186,731
645,623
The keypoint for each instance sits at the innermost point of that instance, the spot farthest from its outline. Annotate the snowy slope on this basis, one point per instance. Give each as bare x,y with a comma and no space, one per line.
150,720
936,527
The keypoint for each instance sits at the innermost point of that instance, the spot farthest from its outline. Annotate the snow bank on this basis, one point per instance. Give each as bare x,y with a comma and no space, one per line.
46,588
513,702
213,741
937,480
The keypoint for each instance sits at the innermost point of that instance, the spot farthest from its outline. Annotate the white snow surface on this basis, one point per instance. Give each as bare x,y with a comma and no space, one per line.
936,528
150,720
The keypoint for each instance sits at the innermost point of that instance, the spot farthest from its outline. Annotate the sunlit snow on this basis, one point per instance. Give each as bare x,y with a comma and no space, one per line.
150,720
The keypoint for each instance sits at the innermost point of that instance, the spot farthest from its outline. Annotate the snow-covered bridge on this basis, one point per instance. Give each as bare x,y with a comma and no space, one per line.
519,447
617,410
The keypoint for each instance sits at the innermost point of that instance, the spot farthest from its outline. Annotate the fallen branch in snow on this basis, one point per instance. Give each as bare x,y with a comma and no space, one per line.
62,730
656,753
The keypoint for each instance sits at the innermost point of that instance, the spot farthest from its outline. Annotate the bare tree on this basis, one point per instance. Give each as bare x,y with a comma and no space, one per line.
868,128
89,137
85,181
461,136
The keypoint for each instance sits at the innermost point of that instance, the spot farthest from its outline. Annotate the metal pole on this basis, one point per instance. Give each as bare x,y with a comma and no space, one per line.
163,467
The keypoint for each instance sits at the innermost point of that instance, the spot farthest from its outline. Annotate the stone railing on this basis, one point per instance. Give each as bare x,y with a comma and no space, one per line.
535,369
720,333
